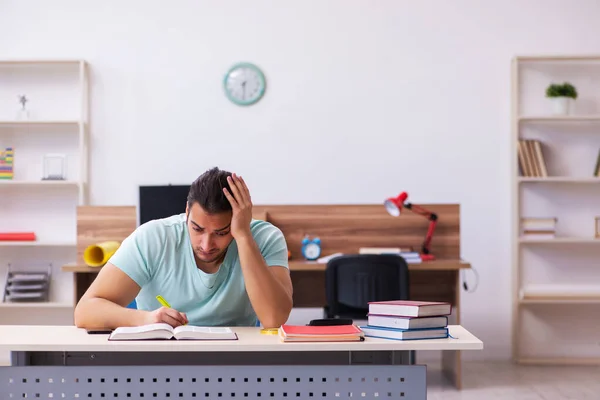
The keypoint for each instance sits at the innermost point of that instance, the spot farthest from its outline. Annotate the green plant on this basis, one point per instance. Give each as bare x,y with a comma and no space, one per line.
564,90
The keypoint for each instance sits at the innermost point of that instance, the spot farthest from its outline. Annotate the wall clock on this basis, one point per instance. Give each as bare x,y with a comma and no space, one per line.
244,84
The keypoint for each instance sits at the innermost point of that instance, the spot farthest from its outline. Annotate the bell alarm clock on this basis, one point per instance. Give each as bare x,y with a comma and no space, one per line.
311,248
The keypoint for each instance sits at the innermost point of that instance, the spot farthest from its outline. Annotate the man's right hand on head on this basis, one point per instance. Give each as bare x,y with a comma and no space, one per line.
167,315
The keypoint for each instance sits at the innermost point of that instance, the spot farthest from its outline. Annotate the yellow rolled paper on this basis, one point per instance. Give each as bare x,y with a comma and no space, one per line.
96,255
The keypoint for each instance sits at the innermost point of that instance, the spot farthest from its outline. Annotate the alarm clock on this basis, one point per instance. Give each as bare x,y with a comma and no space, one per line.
311,248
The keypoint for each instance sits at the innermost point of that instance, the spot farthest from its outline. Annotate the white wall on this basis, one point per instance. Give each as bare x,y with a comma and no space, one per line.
364,99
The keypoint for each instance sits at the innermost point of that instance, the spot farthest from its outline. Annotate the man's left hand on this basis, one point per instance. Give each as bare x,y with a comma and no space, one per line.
241,204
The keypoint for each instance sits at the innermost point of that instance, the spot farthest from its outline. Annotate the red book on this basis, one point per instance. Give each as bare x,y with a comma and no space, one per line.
334,333
408,308
17,236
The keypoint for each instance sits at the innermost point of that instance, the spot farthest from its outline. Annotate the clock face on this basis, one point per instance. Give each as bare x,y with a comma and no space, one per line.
244,84
312,251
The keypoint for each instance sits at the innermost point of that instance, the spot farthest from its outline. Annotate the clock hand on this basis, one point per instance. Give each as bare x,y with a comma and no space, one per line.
244,90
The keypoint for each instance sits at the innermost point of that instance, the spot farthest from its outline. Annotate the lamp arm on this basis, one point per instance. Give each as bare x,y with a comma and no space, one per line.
432,217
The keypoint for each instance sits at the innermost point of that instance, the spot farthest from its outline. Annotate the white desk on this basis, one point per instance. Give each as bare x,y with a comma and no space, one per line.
69,363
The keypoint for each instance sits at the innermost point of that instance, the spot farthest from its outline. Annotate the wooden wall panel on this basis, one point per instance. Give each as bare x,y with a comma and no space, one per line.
346,228
102,223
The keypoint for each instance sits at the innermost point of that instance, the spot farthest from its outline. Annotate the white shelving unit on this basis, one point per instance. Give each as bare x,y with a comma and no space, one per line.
58,94
555,301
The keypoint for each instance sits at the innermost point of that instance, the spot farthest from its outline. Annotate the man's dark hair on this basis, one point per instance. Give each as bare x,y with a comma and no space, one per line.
207,191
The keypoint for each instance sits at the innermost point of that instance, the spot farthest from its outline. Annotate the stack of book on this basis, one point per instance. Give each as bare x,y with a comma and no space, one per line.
407,320
6,163
411,256
538,228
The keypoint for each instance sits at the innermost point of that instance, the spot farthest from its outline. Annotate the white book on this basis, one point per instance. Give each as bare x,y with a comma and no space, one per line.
400,334
386,321
166,331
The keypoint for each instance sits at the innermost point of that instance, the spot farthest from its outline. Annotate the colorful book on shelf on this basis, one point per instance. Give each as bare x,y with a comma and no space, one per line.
404,334
306,333
410,308
6,163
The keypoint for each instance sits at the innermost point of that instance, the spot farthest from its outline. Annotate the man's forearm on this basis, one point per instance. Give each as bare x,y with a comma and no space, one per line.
270,299
96,313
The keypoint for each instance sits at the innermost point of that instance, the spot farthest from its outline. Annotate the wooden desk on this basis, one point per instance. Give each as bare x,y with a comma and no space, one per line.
66,362
345,229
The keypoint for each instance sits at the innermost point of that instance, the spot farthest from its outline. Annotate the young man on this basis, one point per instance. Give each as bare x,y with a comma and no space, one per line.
214,265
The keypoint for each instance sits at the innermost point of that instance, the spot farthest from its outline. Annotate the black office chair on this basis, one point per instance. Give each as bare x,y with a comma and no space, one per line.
352,281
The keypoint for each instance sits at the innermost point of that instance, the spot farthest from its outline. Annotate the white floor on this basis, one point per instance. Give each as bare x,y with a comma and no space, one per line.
486,380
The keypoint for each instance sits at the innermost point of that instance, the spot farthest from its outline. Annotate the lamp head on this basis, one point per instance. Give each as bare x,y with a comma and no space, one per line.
394,205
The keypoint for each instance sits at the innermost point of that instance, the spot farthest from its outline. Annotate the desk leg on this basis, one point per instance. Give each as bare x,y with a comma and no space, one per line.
451,359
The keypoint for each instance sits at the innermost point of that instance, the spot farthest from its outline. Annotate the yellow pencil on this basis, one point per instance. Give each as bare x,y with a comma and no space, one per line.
162,301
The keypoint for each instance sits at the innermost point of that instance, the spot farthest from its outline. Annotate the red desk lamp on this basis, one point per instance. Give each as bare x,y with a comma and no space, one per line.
394,205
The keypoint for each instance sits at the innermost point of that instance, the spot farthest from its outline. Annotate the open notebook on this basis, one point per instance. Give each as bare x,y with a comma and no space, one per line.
166,331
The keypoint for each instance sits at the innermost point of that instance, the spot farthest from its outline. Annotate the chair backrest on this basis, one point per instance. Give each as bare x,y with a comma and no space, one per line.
352,281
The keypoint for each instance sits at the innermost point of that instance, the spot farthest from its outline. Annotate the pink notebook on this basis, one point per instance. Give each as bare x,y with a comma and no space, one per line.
335,333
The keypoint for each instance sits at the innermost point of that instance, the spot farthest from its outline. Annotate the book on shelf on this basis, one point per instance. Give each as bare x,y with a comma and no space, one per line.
531,158
407,320
538,228
7,163
162,331
307,333
410,308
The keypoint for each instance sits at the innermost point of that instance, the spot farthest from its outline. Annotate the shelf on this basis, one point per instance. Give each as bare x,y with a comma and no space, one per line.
11,124
561,118
562,300
559,179
79,268
13,182
300,265
51,304
40,62
563,276
561,240
561,294
28,243
554,58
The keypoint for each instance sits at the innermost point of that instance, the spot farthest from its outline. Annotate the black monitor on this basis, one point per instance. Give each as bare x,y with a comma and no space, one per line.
162,201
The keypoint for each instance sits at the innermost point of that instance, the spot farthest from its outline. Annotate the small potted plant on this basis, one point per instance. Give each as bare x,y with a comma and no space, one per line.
562,96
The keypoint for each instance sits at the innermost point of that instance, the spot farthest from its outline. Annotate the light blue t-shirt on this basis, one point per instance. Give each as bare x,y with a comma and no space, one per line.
158,256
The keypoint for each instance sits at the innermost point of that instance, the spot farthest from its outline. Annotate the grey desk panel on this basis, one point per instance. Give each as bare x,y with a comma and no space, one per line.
212,358
215,382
